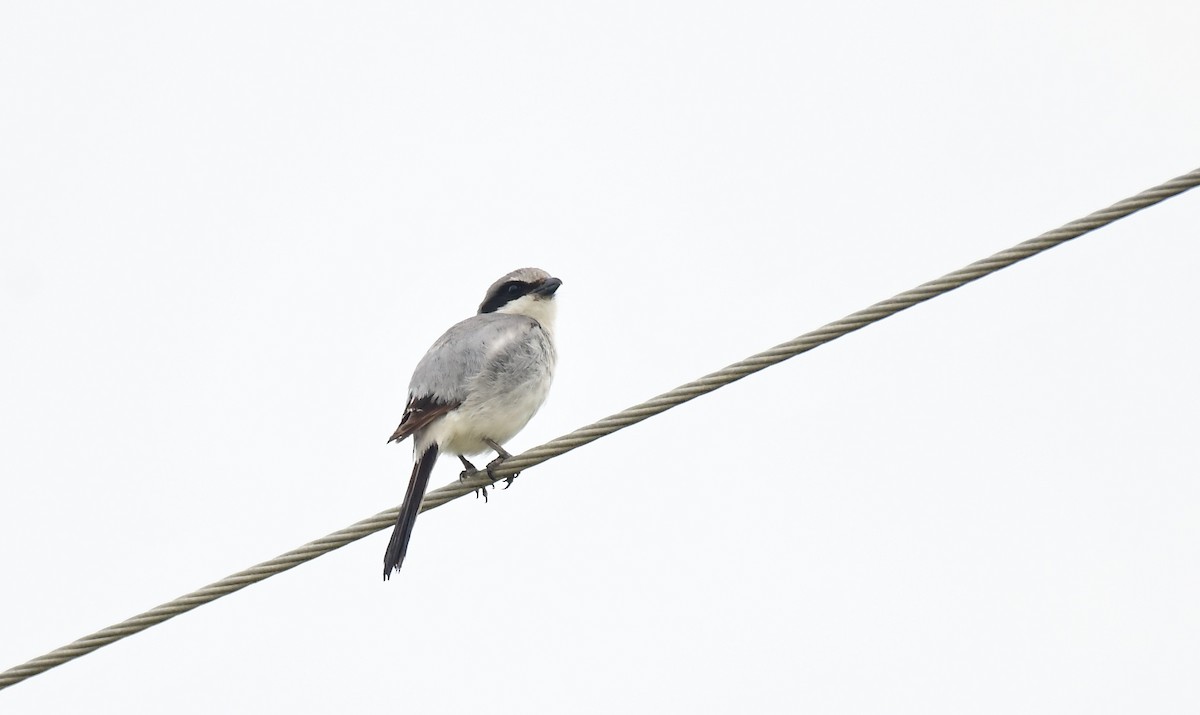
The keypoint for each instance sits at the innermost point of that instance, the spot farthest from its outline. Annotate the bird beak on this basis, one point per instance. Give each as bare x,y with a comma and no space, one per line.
548,286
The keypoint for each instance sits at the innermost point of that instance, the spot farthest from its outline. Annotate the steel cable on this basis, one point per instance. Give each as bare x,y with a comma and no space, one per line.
608,425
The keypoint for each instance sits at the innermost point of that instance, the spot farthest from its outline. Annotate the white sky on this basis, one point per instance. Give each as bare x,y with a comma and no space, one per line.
229,231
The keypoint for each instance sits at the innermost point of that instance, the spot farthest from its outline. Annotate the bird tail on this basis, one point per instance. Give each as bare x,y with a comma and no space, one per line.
398,545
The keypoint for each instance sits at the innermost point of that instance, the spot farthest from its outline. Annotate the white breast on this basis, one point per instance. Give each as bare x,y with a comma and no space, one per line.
464,430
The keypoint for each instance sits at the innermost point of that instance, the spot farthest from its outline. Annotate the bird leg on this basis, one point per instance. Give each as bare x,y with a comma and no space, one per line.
469,472
501,456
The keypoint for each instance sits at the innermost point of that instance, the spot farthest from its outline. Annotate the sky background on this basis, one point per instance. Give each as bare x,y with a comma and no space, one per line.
229,230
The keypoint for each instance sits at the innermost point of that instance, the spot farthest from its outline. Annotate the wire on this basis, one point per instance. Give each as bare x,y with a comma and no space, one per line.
608,425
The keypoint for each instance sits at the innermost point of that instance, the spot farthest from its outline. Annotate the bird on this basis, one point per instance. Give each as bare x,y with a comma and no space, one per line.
477,387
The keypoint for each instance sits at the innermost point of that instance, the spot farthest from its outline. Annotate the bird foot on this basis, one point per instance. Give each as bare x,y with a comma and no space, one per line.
491,469
470,473
492,465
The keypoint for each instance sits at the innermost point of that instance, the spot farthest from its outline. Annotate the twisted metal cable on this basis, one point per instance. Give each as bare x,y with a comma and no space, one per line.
606,426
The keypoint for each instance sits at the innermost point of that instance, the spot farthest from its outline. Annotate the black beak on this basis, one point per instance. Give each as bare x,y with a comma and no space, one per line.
548,286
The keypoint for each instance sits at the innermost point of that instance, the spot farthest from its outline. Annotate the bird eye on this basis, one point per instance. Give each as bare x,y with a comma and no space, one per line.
513,288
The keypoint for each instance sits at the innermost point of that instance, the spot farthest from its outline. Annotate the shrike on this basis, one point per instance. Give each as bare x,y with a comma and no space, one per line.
478,385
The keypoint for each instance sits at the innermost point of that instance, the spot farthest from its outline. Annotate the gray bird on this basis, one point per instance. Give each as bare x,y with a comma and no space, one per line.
478,385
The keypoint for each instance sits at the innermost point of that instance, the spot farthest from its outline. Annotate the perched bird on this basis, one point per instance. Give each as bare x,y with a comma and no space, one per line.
478,385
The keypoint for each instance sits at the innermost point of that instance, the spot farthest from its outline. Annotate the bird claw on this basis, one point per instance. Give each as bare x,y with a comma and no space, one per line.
490,470
494,464
470,473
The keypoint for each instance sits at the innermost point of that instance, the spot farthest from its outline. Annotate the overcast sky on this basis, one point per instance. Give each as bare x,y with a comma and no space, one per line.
229,230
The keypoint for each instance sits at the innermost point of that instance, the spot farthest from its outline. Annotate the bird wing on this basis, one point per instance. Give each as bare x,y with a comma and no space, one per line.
418,413
468,351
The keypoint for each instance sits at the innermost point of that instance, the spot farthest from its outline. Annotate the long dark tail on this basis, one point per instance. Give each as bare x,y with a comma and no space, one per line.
398,546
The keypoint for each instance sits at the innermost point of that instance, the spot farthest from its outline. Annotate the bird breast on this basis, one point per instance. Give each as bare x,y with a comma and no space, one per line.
503,396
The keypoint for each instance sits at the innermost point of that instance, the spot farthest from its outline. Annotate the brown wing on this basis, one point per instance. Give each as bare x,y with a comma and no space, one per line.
418,413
